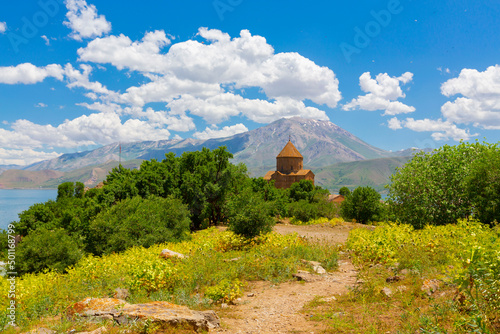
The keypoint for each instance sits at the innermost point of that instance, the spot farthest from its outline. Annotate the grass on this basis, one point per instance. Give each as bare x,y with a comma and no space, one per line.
209,275
463,258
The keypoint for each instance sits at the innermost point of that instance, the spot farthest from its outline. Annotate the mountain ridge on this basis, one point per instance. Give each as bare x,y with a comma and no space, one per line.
322,143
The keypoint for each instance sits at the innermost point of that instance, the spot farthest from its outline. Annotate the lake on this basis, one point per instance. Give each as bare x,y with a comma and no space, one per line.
15,201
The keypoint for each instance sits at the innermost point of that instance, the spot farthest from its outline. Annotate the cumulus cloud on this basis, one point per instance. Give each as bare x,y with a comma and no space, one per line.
24,156
29,74
84,21
226,131
45,38
3,27
41,105
382,93
205,73
394,123
441,130
480,100
94,129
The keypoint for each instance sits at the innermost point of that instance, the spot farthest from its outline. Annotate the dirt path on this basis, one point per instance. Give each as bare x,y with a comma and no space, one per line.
269,308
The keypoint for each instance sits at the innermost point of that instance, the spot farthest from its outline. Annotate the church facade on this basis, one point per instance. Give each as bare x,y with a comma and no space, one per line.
289,168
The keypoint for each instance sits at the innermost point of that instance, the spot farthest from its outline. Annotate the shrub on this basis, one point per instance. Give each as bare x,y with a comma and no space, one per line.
249,215
363,205
45,249
139,222
434,185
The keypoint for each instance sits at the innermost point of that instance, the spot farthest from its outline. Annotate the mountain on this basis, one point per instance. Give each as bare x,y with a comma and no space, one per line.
322,143
375,173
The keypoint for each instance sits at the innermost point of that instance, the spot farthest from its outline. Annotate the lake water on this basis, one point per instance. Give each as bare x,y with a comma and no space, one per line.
15,201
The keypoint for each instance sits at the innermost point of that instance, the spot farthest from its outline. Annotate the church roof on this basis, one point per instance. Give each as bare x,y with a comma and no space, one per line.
289,151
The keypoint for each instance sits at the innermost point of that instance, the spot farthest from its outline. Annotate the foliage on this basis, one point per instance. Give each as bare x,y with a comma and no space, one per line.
434,185
344,191
363,205
483,186
209,270
464,256
44,249
139,222
65,190
249,215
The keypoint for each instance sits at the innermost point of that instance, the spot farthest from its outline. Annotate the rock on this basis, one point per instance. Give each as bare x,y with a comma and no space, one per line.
393,279
97,331
328,299
305,276
404,272
161,312
387,292
251,295
167,253
402,288
41,330
233,259
430,286
316,266
121,293
224,305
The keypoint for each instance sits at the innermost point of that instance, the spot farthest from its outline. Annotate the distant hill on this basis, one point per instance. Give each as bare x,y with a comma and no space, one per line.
89,175
375,173
322,143
336,156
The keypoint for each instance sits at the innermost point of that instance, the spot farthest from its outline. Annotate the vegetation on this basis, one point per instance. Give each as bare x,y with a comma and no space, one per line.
208,275
439,279
363,205
440,185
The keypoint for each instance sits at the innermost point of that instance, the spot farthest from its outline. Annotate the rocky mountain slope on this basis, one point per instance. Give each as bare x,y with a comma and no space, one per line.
322,143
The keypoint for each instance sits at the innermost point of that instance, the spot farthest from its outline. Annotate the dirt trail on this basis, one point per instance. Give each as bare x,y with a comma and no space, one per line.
269,308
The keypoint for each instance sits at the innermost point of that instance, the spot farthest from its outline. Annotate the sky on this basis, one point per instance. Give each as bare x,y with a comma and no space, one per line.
79,74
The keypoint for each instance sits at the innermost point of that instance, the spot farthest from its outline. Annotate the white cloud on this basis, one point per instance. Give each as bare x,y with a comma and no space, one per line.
81,79
202,73
394,123
47,41
3,27
442,130
382,93
24,156
41,105
121,52
226,131
480,101
84,21
29,74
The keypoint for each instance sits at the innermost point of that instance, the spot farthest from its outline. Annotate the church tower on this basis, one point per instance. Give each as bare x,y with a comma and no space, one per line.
289,168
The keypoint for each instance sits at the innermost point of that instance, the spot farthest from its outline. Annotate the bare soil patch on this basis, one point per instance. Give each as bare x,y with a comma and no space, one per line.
269,308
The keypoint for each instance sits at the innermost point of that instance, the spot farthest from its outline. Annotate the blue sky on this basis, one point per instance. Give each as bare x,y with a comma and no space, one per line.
76,74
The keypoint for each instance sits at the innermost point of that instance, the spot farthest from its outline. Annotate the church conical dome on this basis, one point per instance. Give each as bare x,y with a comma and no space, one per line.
289,151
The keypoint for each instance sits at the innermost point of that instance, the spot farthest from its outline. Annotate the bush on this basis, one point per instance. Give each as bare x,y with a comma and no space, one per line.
434,185
249,215
45,249
139,222
363,205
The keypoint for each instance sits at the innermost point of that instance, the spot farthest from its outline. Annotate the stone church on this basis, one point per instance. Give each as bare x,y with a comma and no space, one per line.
289,168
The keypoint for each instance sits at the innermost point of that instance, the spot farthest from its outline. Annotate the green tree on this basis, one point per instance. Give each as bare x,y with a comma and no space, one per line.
344,191
363,204
302,190
432,187
249,214
65,190
138,222
47,249
483,186
79,189
38,215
